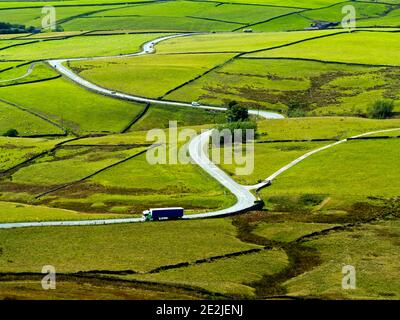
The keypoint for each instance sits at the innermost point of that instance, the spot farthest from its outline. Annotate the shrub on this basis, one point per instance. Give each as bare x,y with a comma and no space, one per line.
382,109
11,133
297,106
7,28
235,112
239,125
311,199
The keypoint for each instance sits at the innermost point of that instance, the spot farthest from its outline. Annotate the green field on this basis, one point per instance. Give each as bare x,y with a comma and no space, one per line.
80,46
19,75
369,172
372,249
234,42
270,154
228,276
78,289
25,123
268,158
117,247
136,75
17,150
321,128
323,89
372,14
82,111
357,47
69,154
16,212
162,114
197,16
136,185
288,231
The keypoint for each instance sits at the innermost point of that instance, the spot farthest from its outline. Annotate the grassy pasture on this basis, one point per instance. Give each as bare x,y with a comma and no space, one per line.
136,185
334,14
117,247
243,13
12,73
16,150
57,3
25,123
80,110
9,36
5,65
34,16
395,133
69,164
324,89
292,22
224,13
299,21
160,9
40,72
360,169
51,35
4,43
16,212
234,42
229,276
289,3
271,156
268,157
371,249
319,193
185,116
356,47
134,137
82,290
177,15
392,19
170,24
149,76
80,46
320,128
289,230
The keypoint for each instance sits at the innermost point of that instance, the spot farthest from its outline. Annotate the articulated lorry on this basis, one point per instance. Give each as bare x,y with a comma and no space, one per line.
163,214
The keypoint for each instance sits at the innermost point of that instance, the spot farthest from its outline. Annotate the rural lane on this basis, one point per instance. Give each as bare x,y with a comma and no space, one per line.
27,73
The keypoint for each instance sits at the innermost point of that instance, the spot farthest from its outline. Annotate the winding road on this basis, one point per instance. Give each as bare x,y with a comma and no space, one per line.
27,73
198,147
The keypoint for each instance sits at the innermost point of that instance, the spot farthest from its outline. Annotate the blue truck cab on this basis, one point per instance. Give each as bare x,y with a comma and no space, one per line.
156,214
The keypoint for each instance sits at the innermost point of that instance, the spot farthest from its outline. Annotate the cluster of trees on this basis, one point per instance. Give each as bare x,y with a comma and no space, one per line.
381,109
237,117
8,28
11,133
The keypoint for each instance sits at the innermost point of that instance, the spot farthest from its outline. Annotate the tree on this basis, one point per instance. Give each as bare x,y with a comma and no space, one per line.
240,126
236,113
11,133
297,107
382,109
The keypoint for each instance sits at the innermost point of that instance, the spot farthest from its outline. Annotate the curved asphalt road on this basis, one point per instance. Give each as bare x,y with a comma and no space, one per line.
198,148
27,73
